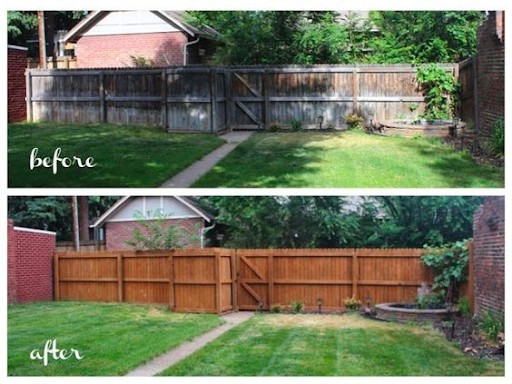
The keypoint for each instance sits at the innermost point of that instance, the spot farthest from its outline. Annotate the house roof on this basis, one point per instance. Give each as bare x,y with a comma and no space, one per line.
174,18
123,201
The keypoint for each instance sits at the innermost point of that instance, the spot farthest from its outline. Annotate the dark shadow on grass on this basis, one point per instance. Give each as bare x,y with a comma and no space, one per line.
278,163
457,168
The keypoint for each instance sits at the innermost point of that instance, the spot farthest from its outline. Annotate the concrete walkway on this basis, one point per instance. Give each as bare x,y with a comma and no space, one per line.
187,177
164,361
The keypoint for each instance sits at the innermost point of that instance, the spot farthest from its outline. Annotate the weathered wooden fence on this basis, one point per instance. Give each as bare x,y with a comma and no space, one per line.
214,99
218,280
467,81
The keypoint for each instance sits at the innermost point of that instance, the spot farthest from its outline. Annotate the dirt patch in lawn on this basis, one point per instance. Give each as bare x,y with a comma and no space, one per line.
322,321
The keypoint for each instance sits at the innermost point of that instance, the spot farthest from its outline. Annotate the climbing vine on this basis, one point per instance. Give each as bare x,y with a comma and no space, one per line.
440,90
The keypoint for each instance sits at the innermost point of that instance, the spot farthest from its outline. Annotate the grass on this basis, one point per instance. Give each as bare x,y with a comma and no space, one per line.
126,156
112,338
316,345
346,160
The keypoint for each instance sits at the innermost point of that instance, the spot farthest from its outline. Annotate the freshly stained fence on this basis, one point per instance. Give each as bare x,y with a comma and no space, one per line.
213,99
188,280
219,280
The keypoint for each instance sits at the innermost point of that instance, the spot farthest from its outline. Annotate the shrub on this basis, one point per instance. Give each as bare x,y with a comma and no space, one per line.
296,125
142,62
274,127
464,307
354,121
498,137
297,306
492,325
440,91
276,308
449,263
431,300
351,303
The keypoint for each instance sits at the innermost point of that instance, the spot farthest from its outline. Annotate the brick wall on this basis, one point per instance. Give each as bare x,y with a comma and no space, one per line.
491,71
29,260
489,256
115,50
17,62
117,233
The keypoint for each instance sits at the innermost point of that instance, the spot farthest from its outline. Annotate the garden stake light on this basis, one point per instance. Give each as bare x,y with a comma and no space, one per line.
319,302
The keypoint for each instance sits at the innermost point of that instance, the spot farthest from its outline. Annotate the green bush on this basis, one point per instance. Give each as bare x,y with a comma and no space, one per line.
296,125
351,303
276,308
439,87
297,306
274,127
354,121
463,305
492,325
498,137
431,300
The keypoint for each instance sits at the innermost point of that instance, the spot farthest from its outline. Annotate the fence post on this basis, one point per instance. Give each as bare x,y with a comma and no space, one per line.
120,278
234,278
163,102
56,278
355,91
270,280
103,104
355,273
172,303
218,284
28,96
266,102
213,100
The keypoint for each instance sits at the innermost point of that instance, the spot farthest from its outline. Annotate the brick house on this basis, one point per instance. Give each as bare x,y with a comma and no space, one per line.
29,264
16,88
490,71
117,224
114,38
489,256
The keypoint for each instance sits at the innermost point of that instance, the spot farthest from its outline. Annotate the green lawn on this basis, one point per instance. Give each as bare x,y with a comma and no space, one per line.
347,160
112,338
316,345
126,156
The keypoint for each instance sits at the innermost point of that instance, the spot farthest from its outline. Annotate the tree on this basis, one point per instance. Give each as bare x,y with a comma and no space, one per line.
425,36
53,213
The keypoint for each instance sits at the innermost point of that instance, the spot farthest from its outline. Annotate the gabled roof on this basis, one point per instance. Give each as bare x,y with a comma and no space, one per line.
174,18
123,201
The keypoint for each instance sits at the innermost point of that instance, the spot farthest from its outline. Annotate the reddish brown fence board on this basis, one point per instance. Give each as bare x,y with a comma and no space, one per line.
218,280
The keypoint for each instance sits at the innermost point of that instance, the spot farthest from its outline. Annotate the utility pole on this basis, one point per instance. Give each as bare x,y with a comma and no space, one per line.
76,230
42,39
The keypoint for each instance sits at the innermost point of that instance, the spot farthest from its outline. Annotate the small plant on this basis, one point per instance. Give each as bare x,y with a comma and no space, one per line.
142,62
354,121
274,127
296,125
352,304
297,306
498,137
493,325
463,305
431,300
277,308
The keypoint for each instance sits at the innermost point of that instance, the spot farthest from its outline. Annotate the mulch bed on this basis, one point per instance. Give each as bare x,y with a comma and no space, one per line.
471,341
469,142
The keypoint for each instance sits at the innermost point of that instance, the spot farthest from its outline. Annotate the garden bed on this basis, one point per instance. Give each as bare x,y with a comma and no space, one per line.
410,312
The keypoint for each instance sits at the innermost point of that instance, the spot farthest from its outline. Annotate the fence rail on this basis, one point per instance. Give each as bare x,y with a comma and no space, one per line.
217,280
214,99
